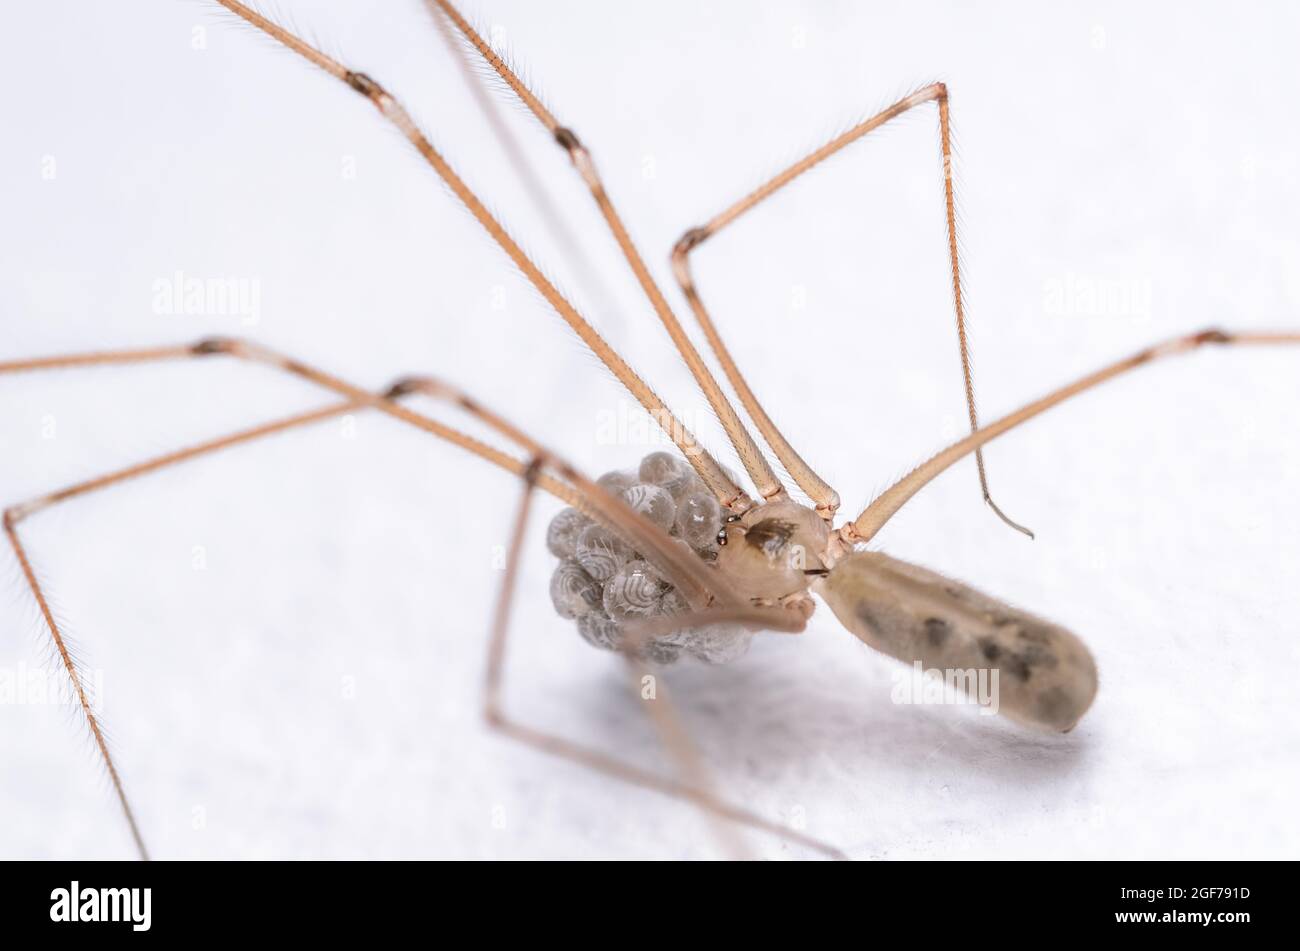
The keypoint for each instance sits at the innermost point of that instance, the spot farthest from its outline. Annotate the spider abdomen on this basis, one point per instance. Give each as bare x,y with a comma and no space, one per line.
1045,676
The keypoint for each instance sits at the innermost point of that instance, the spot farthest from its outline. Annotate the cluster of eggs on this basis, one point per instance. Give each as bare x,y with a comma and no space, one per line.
602,582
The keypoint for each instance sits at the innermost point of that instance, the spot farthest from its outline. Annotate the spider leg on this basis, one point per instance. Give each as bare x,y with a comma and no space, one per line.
660,548
253,353
880,511
694,788
356,399
721,484
758,468
14,514
570,486
826,498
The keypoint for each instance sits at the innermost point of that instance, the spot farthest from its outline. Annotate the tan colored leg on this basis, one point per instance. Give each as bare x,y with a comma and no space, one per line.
708,468
16,513
686,572
694,790
357,399
568,243
253,353
874,517
765,480
573,488
826,498
780,620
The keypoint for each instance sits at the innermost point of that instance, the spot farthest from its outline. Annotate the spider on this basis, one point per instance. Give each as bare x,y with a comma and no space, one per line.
756,569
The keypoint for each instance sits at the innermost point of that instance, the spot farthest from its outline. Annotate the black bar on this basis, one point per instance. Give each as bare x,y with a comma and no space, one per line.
989,900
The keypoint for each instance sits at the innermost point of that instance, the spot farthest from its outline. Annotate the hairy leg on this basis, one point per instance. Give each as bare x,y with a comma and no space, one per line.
693,789
757,467
357,398
708,468
826,498
684,570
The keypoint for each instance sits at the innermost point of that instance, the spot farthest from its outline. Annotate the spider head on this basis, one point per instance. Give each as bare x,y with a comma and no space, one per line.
773,550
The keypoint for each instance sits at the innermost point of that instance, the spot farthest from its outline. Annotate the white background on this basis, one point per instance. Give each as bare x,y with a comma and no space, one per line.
1149,150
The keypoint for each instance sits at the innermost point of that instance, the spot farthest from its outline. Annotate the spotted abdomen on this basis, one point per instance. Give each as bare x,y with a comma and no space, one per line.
1046,678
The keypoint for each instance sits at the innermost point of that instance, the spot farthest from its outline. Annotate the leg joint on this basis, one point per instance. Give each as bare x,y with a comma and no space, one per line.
568,139
580,157
406,385
691,240
1212,335
364,85
211,345
533,470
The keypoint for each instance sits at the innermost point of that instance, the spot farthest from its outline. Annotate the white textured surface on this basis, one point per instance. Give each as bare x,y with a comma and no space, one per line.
1151,149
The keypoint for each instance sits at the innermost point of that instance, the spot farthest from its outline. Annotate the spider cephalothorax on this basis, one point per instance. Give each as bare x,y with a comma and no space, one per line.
771,552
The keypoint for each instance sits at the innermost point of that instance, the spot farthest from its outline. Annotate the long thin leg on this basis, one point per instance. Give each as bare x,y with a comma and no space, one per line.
880,511
773,619
694,790
708,468
655,544
821,493
661,549
697,585
586,272
572,488
251,352
751,456
16,513
687,573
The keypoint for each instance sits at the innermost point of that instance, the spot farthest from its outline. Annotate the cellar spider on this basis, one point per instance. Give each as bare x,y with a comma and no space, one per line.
826,541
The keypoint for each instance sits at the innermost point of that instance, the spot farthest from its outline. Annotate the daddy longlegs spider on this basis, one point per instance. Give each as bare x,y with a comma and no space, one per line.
771,553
